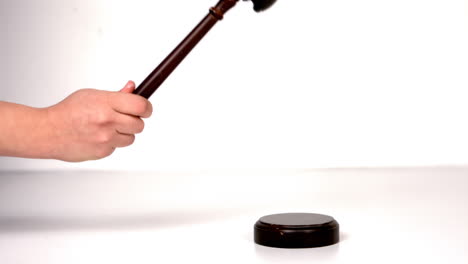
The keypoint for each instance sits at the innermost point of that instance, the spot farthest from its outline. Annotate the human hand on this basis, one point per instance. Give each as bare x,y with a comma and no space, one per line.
90,124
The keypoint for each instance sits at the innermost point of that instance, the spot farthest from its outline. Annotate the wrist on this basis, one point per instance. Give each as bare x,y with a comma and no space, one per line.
25,132
40,140
50,148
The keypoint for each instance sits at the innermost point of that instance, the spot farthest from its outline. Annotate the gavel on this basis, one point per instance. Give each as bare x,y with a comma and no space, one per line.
170,63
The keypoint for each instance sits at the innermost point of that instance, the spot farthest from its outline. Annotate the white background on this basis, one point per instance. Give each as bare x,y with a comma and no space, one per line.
306,84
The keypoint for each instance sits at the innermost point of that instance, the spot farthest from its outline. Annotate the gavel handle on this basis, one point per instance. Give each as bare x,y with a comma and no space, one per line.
160,74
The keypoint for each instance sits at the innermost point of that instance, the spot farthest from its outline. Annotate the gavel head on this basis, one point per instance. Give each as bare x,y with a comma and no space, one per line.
260,5
223,6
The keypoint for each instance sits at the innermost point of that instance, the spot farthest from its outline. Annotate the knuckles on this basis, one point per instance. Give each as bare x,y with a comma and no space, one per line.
143,107
131,104
140,126
102,118
131,140
149,109
104,137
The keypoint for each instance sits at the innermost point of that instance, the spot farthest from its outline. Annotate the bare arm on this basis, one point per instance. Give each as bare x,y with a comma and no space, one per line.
87,125
24,131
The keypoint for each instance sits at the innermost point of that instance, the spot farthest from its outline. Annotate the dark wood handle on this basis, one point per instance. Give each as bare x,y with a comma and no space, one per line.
160,74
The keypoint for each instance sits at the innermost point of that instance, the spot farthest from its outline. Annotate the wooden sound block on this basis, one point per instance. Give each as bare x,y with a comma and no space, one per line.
296,230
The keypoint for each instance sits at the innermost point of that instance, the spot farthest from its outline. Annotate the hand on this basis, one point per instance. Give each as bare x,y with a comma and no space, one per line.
90,124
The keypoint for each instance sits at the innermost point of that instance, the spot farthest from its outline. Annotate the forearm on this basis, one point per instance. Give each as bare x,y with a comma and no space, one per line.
25,132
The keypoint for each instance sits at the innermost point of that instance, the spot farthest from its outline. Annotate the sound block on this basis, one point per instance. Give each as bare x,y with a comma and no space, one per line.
296,230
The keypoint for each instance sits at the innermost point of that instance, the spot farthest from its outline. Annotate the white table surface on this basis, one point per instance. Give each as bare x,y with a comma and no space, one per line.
406,215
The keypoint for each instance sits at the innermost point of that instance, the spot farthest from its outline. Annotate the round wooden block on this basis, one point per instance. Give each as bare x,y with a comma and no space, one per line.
296,230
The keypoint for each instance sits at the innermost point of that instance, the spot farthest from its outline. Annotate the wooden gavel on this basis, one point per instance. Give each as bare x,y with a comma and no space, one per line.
168,65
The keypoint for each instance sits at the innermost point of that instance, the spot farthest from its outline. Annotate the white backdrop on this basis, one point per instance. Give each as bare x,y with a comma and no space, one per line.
306,84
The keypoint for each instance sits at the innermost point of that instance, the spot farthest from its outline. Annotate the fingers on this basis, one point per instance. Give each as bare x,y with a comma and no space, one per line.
123,140
119,132
110,140
130,104
127,124
124,129
129,87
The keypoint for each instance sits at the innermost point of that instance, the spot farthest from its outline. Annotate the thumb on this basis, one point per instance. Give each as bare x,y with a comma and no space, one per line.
129,87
